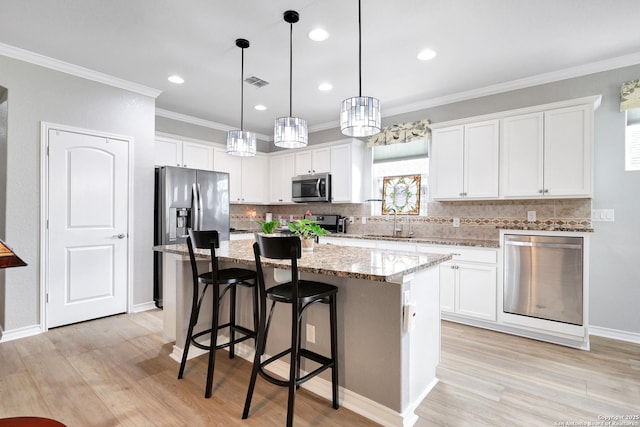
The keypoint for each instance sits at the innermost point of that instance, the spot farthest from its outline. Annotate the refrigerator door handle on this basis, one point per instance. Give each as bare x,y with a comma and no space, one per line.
200,208
194,207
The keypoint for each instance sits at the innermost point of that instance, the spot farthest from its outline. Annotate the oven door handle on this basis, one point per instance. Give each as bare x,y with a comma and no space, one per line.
544,245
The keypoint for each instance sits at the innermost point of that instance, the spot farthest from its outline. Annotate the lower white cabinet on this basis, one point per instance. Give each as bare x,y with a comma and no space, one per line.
468,290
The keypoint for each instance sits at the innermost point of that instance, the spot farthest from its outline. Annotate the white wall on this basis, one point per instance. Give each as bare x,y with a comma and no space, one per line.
38,94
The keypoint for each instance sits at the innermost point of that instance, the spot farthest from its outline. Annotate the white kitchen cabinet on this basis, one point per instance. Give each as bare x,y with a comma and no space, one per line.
548,154
347,172
313,161
464,161
468,283
281,170
173,152
247,176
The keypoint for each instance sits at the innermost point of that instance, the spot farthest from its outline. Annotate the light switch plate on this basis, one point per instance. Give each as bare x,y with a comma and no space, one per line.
603,215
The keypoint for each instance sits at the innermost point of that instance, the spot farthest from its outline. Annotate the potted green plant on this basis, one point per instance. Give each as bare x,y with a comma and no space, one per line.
307,230
268,227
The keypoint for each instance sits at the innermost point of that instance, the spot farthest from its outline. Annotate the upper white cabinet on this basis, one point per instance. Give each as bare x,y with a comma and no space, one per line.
347,174
281,170
465,161
313,161
247,176
547,154
173,152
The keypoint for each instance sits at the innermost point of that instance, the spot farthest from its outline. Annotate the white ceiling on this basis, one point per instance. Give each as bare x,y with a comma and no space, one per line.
480,44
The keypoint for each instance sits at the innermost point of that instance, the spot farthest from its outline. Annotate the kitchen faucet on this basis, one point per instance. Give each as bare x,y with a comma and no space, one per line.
395,221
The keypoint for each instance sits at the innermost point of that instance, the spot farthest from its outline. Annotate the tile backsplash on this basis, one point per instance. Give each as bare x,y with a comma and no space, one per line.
478,219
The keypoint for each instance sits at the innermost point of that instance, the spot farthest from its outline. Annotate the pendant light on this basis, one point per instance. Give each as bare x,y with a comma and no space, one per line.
241,142
290,132
360,115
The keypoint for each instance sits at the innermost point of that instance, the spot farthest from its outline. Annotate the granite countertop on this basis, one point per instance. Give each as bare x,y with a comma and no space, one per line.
342,261
426,240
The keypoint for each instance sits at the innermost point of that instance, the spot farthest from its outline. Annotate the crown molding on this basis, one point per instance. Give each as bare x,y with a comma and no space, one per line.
202,122
75,70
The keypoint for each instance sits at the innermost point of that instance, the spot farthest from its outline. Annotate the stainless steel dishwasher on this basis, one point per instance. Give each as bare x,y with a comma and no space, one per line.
543,277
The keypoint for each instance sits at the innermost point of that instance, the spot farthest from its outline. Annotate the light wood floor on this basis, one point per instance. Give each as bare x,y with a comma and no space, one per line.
116,371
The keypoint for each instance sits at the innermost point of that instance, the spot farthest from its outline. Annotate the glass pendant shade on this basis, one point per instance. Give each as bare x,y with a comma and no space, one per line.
360,116
290,132
241,143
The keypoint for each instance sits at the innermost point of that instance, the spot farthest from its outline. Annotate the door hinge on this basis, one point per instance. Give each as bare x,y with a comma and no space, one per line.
46,298
47,150
47,225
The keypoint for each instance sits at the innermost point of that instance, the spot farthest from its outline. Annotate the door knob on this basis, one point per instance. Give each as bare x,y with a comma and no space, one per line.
119,236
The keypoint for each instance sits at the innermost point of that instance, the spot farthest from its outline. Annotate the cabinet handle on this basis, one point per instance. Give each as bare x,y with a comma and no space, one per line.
540,191
455,254
546,190
184,166
178,164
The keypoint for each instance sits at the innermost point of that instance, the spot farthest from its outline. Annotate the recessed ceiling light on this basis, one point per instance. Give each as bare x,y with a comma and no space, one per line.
176,79
426,55
318,35
260,107
325,86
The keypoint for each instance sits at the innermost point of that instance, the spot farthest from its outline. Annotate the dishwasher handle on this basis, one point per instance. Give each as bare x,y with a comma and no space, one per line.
544,245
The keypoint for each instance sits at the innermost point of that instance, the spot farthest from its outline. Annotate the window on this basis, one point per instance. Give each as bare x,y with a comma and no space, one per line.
396,160
632,141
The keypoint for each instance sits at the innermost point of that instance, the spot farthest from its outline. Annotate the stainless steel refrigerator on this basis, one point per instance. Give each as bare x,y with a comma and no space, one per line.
187,198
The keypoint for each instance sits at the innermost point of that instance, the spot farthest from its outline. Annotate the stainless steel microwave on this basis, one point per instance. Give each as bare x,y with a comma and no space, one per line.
311,188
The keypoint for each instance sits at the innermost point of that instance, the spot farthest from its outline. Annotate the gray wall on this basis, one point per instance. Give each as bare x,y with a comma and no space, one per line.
614,266
40,94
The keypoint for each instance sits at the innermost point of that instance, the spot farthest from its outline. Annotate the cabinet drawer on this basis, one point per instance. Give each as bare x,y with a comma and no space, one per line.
463,253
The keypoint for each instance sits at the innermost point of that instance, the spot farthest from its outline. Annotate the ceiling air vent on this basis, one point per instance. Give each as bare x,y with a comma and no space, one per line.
256,81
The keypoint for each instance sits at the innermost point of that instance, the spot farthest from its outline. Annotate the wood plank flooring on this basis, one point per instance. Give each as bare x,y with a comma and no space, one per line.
116,372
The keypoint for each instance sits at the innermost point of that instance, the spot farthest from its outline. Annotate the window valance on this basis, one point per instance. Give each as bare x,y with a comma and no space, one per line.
404,132
630,95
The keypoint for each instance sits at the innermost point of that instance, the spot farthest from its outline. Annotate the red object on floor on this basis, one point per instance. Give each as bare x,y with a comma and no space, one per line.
29,422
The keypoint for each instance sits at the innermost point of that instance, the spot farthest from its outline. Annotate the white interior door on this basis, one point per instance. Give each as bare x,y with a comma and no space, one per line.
87,235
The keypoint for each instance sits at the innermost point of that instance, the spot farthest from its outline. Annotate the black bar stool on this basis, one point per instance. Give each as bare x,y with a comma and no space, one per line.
300,294
230,278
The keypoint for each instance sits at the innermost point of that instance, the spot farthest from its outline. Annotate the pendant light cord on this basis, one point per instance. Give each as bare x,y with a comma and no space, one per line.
291,70
242,93
359,51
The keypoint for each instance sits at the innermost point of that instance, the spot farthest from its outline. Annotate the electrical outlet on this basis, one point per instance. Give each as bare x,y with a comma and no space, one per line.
364,220
290,218
531,216
351,220
456,222
311,334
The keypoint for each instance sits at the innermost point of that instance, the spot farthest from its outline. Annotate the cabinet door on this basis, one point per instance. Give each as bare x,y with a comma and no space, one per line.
321,160
447,287
303,163
447,162
475,294
481,156
341,173
224,162
567,152
521,158
168,152
197,156
254,182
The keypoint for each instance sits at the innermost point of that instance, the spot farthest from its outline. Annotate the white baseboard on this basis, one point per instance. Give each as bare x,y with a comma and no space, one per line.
137,308
15,334
615,334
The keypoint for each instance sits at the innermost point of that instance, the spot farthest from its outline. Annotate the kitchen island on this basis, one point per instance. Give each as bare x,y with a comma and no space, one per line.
388,320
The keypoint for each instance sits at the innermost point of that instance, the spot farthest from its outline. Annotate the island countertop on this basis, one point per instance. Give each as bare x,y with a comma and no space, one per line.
343,261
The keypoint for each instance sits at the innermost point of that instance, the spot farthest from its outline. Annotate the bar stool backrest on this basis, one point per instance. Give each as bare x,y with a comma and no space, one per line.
281,248
206,239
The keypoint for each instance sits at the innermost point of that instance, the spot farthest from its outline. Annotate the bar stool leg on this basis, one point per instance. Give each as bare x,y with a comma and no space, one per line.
293,367
232,322
195,310
214,339
334,349
260,344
